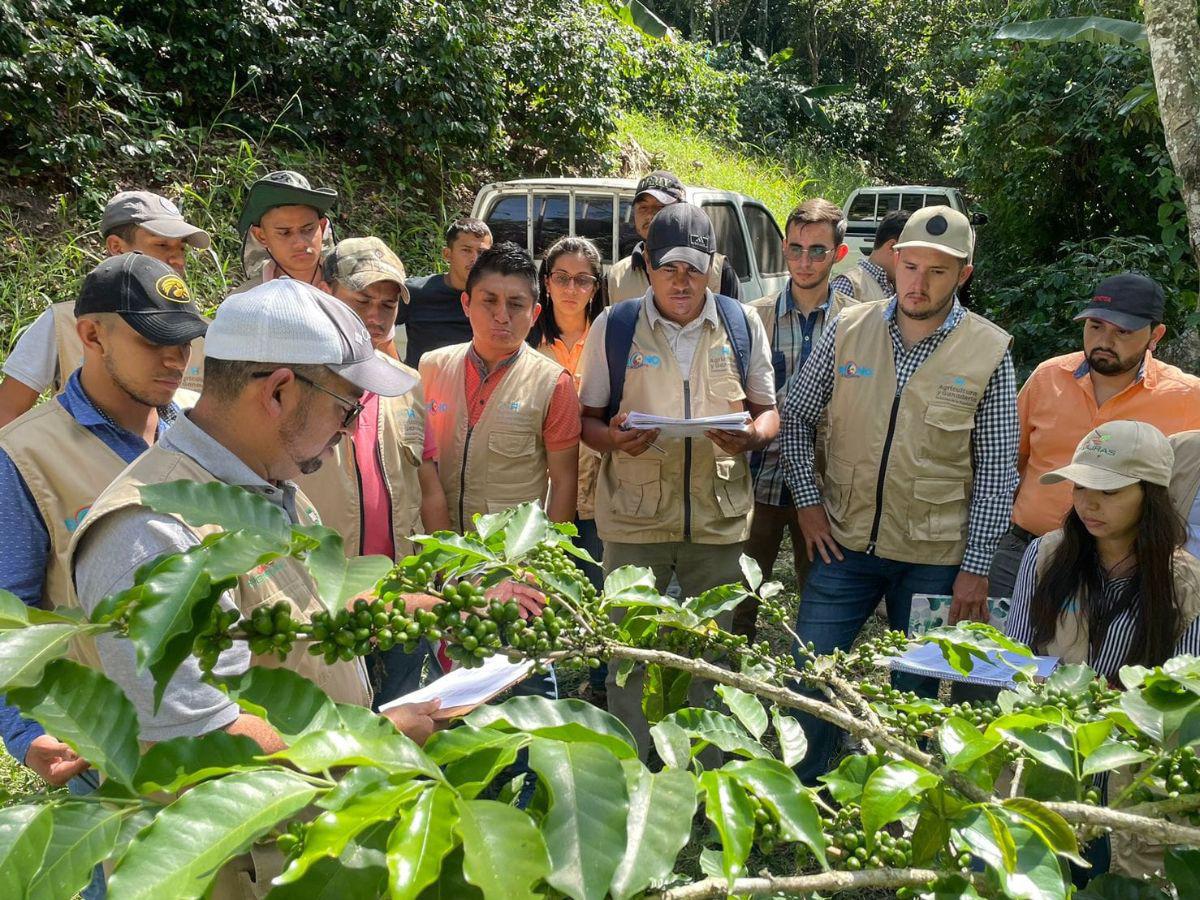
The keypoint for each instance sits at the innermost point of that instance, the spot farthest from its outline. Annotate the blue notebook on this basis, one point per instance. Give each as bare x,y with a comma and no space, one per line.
927,659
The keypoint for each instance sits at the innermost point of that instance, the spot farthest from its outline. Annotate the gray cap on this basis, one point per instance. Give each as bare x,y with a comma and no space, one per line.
155,213
681,232
287,321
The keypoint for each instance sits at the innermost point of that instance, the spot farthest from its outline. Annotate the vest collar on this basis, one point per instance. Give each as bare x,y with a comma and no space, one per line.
707,314
1147,372
481,367
951,322
787,304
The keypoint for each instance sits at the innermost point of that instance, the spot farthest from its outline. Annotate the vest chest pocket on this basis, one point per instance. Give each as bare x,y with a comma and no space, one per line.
949,434
839,483
508,455
732,484
638,491
728,387
938,511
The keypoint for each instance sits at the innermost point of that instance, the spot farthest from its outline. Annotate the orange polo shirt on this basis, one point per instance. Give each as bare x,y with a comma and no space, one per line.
1057,406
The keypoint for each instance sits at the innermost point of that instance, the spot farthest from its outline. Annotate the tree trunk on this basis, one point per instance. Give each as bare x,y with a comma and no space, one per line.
1174,33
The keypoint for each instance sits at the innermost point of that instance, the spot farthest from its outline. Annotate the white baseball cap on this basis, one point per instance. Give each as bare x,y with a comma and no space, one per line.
286,321
1117,454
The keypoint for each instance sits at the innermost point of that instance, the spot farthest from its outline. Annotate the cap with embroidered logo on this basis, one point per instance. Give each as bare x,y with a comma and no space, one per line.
1117,454
1129,301
155,213
286,321
939,228
683,233
662,186
148,294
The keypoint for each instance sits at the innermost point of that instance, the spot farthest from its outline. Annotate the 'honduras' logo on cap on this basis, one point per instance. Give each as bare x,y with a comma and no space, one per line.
853,370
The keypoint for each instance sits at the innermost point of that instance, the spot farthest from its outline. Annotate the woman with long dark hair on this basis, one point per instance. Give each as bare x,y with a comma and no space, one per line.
573,292
1113,587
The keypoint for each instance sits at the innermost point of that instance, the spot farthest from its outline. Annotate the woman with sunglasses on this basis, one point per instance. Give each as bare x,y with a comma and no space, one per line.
572,294
1113,587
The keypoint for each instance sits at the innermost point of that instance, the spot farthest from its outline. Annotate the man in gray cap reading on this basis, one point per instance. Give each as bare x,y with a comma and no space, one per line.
287,365
50,350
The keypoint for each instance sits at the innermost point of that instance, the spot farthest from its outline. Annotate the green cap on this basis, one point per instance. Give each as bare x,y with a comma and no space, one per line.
360,262
285,188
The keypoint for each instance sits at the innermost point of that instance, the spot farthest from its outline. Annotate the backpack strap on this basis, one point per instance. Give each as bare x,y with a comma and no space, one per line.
622,323
618,339
733,317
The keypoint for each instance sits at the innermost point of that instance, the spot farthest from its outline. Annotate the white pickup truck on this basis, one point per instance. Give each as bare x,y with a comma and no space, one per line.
535,212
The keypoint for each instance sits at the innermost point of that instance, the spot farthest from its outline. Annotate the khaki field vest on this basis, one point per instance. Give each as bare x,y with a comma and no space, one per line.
866,288
1070,641
65,467
1185,480
926,473
335,490
627,283
284,579
70,351
692,490
502,461
767,309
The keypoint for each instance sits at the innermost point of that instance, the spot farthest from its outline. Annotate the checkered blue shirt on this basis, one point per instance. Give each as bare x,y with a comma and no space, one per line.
843,285
993,441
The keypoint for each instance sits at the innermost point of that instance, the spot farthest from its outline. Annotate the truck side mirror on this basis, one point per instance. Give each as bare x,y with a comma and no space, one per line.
979,218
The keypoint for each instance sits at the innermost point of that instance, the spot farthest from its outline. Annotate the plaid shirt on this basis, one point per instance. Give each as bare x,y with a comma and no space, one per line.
993,442
843,285
794,337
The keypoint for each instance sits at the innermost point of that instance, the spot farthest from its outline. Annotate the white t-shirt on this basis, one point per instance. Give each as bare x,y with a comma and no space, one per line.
683,339
34,360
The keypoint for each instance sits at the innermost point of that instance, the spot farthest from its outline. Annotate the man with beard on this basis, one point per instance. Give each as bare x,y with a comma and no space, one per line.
920,399
285,367
1115,377
794,320
135,321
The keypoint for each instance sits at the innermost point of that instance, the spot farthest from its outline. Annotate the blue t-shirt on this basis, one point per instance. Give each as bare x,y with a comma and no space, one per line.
25,551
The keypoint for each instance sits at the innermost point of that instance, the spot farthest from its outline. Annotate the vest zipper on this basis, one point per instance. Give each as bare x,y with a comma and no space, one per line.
687,465
883,461
387,486
362,511
462,482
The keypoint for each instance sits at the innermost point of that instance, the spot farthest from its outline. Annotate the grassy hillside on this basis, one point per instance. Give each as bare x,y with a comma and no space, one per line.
698,159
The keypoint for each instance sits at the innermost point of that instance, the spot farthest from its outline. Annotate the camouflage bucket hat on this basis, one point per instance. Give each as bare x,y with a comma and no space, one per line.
361,262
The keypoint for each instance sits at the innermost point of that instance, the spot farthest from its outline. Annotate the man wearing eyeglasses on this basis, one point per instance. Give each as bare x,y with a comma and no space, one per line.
286,365
794,320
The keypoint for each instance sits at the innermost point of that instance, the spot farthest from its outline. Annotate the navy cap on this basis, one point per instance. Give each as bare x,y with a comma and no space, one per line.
148,294
681,232
1129,301
662,186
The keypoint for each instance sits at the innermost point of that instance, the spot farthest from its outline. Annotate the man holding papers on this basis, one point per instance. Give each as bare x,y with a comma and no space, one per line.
675,504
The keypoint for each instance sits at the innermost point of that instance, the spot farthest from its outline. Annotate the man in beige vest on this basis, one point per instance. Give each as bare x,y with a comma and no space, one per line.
627,278
503,418
49,350
921,452
874,278
794,320
676,505
286,365
285,230
376,489
1185,484
56,459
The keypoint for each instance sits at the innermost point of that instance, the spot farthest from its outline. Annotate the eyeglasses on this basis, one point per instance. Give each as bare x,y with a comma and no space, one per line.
582,282
796,253
353,407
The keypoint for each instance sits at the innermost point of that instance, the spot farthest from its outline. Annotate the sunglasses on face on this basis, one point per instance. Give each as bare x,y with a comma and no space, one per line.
581,282
796,253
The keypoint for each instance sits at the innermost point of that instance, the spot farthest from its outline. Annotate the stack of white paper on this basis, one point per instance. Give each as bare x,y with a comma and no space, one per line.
463,689
670,427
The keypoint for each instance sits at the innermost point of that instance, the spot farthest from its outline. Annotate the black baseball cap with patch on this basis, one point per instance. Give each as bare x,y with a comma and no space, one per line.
148,294
1129,301
681,233
662,186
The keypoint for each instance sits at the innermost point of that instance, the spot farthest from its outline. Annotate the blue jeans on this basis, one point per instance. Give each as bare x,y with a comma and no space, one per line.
82,785
836,602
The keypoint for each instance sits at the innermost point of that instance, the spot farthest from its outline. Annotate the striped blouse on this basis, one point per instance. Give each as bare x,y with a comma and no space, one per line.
1117,641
